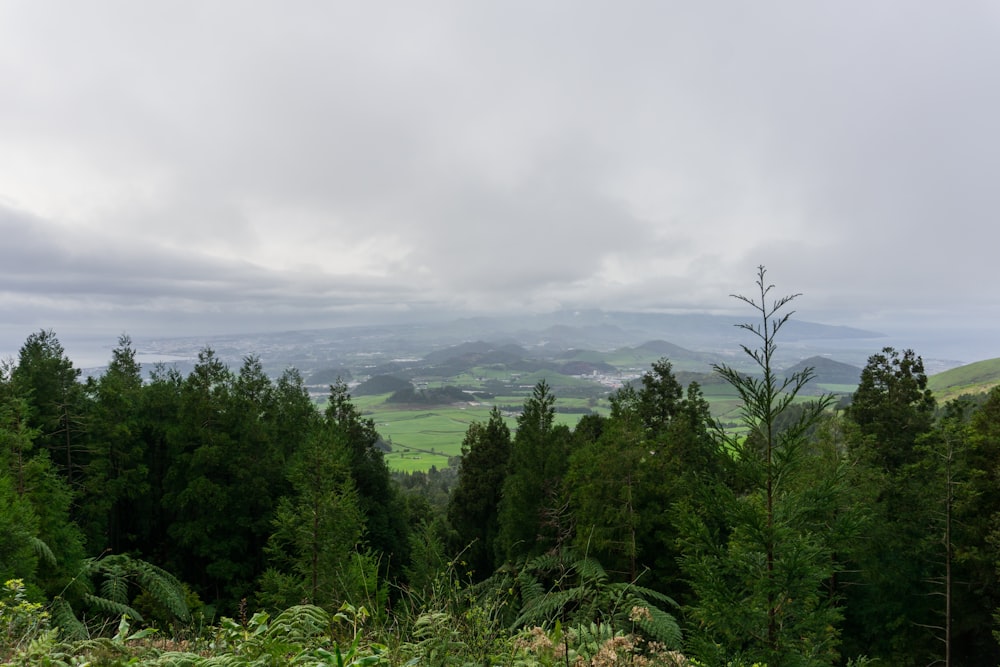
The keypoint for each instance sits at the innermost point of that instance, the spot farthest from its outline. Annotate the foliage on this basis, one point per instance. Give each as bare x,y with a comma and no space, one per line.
378,499
577,591
529,504
759,579
892,406
472,508
648,454
21,621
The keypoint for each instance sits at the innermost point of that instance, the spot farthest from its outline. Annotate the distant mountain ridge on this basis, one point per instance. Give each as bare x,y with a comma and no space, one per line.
692,340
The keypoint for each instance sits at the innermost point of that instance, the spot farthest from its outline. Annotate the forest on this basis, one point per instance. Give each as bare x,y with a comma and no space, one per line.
224,518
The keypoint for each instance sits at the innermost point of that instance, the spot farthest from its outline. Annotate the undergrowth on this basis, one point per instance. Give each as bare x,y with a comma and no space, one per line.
558,611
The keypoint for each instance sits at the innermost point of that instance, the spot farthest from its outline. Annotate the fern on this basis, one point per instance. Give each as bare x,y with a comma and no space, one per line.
659,626
65,620
300,624
163,586
580,593
175,659
43,551
227,660
112,608
114,588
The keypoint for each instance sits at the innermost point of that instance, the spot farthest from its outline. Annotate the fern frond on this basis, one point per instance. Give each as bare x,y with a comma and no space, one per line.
63,618
101,645
113,608
662,627
227,660
531,589
544,609
163,586
300,623
43,551
590,570
643,594
115,588
175,659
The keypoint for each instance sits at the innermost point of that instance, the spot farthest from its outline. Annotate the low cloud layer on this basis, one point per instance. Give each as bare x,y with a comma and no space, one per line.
188,167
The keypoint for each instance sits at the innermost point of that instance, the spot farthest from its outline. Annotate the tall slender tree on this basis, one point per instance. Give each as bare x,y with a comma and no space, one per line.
47,379
528,513
472,507
386,531
889,601
115,485
760,580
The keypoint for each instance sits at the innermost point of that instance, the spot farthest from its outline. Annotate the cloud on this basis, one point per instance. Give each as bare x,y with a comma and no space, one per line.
186,164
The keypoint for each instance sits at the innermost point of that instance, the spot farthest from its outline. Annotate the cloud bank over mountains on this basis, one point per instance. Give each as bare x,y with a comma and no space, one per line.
187,167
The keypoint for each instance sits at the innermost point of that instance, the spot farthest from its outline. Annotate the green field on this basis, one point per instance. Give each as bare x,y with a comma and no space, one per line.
423,436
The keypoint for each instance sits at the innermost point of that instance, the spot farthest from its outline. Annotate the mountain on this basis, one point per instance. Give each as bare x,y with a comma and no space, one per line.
826,371
695,342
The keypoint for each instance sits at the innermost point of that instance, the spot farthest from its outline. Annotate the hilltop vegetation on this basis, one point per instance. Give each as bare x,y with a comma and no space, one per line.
246,525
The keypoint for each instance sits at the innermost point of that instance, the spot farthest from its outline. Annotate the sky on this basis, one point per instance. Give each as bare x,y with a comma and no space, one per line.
189,167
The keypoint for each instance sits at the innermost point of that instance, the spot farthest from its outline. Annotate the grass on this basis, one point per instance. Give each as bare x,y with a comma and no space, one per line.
969,379
425,436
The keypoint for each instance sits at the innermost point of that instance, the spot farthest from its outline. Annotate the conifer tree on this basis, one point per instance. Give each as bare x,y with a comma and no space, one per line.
47,379
529,521
316,531
889,601
378,496
115,488
472,507
759,580
651,451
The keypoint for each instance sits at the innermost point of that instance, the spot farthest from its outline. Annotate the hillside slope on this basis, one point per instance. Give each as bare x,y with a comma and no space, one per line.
973,378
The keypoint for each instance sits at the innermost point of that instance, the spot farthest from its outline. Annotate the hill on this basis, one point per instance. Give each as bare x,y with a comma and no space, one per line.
974,378
828,375
381,384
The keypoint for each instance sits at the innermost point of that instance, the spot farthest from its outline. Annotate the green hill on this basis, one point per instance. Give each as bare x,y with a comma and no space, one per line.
973,378
829,376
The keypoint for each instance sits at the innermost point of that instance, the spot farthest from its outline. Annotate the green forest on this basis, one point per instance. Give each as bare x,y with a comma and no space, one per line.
224,518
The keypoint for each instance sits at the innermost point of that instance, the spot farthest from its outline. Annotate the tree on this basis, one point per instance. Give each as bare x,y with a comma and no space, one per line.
47,379
892,406
158,412
529,512
317,530
378,498
40,542
760,580
115,486
209,546
649,454
472,508
886,585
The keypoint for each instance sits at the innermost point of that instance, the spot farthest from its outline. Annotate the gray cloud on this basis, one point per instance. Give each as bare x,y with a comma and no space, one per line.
183,165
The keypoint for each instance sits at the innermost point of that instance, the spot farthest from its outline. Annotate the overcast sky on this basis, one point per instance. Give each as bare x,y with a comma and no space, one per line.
221,166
